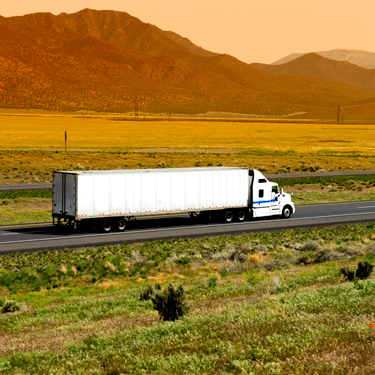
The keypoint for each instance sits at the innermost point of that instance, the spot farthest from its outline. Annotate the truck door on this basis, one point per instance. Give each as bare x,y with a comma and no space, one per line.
275,200
261,198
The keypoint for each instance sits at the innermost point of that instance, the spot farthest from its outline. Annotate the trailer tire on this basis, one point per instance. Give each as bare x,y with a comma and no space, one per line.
228,216
121,225
287,212
107,225
241,215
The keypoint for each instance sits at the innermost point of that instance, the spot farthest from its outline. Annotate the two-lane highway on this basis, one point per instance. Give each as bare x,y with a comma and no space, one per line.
33,237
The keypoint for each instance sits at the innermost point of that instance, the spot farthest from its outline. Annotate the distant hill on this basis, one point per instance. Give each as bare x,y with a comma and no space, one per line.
107,60
315,66
361,58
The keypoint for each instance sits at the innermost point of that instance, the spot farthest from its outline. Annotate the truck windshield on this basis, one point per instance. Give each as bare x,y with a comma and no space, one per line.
275,189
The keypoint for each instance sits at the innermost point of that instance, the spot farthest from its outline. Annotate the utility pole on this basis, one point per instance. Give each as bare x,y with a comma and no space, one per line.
338,113
136,107
66,138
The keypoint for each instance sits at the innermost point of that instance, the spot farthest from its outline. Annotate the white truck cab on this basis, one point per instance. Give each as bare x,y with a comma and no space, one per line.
267,198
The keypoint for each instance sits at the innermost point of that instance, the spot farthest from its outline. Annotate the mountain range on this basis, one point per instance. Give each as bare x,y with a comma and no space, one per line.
363,59
108,61
316,66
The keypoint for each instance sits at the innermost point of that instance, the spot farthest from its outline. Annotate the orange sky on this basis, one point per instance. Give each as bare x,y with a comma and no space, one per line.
253,31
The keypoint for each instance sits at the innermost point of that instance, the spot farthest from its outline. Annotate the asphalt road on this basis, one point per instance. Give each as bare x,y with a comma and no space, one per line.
269,176
33,237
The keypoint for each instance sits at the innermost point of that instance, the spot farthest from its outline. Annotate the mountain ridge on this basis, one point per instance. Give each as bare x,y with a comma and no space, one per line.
108,61
315,66
363,59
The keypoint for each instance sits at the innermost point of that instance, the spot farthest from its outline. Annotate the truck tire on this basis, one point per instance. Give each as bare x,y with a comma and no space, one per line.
121,224
107,225
241,215
287,212
228,216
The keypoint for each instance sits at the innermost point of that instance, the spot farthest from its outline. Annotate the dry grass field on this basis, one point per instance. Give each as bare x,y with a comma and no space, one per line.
101,133
262,303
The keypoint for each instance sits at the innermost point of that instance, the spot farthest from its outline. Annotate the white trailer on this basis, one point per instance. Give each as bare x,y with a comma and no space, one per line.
108,199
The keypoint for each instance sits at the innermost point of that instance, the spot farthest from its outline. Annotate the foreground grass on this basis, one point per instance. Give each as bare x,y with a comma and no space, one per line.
266,303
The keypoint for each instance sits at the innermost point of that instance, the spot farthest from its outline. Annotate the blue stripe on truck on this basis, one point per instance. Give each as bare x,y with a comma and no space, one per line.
258,202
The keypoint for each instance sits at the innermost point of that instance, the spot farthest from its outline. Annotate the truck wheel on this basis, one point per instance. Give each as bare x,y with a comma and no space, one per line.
107,225
241,216
228,216
121,224
287,212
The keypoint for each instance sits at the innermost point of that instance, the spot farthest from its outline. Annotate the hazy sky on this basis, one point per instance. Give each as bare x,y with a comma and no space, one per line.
253,31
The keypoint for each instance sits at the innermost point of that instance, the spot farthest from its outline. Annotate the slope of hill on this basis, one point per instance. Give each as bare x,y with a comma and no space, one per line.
315,66
105,61
363,59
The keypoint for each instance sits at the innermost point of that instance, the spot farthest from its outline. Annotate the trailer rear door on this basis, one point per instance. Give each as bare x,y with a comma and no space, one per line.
64,194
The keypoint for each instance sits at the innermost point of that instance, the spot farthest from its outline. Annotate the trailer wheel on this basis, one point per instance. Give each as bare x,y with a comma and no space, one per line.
107,225
287,212
241,216
228,216
121,224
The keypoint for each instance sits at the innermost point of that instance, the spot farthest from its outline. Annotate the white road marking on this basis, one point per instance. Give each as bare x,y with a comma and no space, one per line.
181,228
9,234
367,207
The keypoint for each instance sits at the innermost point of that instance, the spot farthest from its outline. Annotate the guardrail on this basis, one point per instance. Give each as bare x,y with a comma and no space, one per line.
271,177
319,174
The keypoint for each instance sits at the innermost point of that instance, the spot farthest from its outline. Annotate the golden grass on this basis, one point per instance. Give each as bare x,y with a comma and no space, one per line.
100,133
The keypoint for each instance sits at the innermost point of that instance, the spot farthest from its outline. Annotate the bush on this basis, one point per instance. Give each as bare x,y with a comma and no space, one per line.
146,293
184,260
10,306
170,303
348,274
310,245
363,271
212,281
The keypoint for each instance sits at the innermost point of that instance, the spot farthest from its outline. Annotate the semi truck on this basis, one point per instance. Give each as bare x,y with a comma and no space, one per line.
109,199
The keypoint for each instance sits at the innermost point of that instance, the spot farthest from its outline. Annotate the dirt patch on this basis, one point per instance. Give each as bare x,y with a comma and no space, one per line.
56,338
39,205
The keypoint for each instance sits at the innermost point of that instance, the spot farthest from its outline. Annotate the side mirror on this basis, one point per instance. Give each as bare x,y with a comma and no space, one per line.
281,191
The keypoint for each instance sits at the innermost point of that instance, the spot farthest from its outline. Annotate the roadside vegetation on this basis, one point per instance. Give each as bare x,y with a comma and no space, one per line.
36,167
25,206
262,303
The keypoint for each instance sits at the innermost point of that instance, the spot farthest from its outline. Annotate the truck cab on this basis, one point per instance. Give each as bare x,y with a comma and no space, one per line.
266,198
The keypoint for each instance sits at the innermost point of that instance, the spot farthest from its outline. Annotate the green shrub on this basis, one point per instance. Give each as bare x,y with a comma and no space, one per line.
146,293
184,260
224,273
348,274
364,269
170,303
212,281
254,277
10,306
